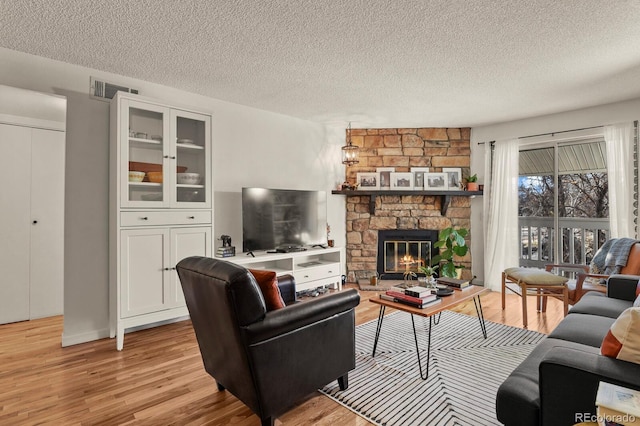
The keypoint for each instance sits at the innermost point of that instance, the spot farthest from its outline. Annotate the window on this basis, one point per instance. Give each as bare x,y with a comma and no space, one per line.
563,202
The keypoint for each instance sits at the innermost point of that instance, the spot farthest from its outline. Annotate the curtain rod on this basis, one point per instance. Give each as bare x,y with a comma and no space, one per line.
551,133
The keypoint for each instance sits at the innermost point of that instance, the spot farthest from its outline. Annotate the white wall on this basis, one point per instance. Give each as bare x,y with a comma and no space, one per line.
251,147
570,120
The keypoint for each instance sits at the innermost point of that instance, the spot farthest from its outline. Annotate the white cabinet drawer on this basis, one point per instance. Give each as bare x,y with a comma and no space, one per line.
154,218
313,273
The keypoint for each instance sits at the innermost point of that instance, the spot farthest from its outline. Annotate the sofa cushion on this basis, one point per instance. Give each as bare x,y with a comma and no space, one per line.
583,328
535,276
268,283
623,339
518,397
636,304
595,303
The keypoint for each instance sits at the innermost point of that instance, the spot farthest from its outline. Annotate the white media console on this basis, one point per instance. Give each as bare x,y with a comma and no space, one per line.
312,268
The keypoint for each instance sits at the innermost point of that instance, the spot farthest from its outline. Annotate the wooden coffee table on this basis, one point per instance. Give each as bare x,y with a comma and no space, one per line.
456,298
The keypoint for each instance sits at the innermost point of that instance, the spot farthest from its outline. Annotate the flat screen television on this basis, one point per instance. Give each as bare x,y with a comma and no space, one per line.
283,219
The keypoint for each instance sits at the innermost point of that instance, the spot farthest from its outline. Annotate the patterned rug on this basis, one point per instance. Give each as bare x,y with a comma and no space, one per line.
464,375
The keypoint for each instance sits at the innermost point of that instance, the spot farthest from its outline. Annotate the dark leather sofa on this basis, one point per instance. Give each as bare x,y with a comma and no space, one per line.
268,360
557,383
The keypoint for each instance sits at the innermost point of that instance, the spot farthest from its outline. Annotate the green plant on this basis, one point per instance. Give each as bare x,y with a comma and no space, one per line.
473,178
451,243
428,270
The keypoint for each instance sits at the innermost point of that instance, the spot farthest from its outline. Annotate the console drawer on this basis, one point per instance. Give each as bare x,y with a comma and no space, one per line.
154,218
303,275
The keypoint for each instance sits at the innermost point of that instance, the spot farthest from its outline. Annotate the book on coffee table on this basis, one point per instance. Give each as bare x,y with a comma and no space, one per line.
415,304
618,404
453,282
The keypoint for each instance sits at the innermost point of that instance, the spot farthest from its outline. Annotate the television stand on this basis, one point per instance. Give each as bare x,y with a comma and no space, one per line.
311,268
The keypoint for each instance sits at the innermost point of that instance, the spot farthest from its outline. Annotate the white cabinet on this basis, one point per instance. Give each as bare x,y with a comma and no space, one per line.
171,146
316,267
32,205
159,221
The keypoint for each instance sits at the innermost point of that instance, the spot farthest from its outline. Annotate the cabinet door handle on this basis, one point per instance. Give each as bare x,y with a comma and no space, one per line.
165,156
166,269
173,157
144,218
191,217
35,222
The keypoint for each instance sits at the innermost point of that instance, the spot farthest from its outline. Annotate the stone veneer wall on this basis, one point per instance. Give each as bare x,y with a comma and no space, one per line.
403,148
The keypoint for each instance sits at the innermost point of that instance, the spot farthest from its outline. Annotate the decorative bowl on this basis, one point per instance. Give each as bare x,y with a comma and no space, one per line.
155,177
136,176
188,178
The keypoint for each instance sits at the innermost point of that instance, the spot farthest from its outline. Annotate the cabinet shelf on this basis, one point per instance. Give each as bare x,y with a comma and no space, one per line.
189,146
145,143
143,184
184,185
445,196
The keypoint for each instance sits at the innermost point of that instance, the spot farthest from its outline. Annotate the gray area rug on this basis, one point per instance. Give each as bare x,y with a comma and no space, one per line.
464,375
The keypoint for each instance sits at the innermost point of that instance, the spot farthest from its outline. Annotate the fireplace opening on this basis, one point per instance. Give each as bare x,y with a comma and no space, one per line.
404,251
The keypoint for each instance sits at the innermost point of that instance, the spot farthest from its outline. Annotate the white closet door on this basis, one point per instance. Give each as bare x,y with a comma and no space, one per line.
47,223
15,175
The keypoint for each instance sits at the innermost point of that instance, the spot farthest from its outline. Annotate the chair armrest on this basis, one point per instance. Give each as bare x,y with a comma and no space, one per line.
582,268
287,286
622,287
569,381
296,316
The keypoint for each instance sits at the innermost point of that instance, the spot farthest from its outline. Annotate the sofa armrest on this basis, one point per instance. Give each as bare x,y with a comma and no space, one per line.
622,286
569,381
293,317
287,287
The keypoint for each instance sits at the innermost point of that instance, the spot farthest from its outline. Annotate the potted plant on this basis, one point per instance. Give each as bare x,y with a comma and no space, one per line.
452,244
428,271
472,183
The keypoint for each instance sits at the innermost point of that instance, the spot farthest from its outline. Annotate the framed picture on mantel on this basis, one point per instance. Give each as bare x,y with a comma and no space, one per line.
454,177
368,181
436,181
402,181
418,176
384,176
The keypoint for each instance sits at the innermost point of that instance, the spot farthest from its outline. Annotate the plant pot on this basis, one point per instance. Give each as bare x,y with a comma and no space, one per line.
472,186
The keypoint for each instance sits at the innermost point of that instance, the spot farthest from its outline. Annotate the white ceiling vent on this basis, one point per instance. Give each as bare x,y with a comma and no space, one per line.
105,91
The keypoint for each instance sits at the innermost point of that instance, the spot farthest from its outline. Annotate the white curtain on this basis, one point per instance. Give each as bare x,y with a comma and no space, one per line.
619,140
501,211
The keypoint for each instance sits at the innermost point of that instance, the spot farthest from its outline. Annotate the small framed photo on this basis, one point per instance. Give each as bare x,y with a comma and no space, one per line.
385,176
454,178
368,181
418,176
402,181
436,181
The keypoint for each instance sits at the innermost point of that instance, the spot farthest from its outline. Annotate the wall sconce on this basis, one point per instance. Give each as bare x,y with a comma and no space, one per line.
350,152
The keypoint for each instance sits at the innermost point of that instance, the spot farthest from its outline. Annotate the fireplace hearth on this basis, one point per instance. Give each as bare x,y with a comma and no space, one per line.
401,251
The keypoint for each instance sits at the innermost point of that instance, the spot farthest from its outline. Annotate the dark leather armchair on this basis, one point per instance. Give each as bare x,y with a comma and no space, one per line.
268,360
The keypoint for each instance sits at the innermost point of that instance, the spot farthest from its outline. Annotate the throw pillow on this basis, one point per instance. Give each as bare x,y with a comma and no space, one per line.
623,339
268,284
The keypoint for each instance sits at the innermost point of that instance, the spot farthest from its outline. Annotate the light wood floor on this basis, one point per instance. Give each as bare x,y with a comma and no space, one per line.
158,379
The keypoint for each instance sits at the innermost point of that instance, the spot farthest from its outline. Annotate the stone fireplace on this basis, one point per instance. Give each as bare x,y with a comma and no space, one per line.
402,149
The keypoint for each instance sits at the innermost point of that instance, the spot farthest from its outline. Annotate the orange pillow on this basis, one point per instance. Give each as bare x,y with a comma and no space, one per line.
623,339
268,284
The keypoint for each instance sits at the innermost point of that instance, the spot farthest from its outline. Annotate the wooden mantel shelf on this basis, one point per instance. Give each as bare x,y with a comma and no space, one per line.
444,195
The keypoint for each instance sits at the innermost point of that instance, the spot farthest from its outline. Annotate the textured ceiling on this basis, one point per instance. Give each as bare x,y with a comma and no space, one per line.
378,63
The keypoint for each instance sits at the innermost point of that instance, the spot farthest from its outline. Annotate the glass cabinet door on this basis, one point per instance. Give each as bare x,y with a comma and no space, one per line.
192,163
145,154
